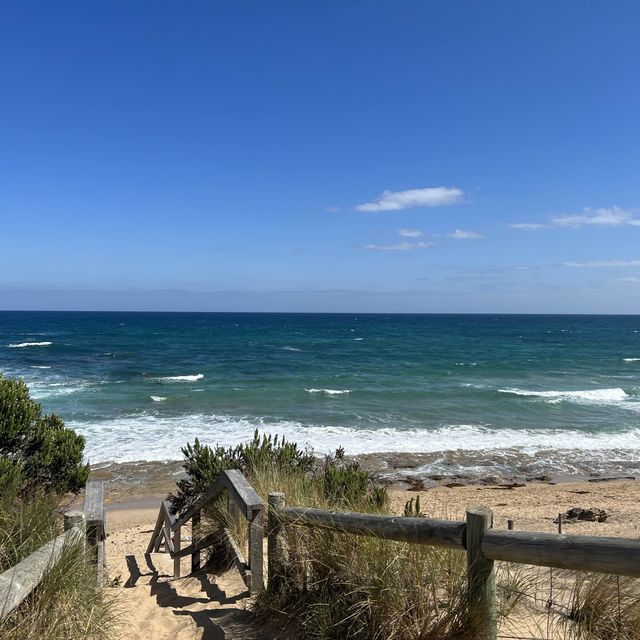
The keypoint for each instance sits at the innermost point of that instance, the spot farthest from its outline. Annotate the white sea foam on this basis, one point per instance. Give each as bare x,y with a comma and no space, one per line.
154,437
190,378
589,396
40,366
21,345
158,398
330,392
288,348
631,359
357,339
44,390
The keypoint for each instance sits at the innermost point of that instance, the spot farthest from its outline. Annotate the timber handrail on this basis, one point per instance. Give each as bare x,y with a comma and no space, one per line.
17,583
242,501
438,533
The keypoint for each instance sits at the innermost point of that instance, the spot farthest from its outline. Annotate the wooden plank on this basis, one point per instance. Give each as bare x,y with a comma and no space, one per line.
168,542
242,492
19,581
195,532
94,504
175,549
619,556
256,537
154,543
200,502
276,548
100,564
437,533
481,575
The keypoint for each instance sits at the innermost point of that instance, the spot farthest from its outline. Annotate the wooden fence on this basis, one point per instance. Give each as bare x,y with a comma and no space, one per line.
482,544
243,501
89,524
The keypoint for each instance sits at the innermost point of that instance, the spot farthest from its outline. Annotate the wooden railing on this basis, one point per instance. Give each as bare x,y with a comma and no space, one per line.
482,544
242,501
17,583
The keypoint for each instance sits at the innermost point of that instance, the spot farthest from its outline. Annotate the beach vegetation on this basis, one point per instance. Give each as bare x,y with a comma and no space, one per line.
40,460
37,452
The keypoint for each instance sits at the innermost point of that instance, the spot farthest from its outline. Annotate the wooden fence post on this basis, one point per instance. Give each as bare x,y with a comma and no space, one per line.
481,576
195,531
176,548
75,520
256,537
275,544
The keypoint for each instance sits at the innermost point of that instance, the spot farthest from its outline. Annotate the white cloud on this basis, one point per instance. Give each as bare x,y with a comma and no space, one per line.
602,217
459,234
410,233
427,197
400,246
527,226
604,263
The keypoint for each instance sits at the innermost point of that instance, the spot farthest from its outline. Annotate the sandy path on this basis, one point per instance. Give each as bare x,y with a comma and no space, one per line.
154,606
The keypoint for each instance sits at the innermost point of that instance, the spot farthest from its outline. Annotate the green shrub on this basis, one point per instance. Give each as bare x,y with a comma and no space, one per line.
204,464
37,452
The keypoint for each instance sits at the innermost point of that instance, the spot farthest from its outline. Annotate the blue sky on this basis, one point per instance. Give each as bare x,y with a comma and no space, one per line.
320,156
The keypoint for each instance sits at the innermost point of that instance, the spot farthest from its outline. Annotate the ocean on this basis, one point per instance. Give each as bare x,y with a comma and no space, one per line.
477,394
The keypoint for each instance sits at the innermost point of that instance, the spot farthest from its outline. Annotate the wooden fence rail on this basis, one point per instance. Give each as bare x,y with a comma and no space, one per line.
482,544
19,581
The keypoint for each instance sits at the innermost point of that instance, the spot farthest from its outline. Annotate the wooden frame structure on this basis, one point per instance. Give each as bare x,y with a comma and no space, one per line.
243,501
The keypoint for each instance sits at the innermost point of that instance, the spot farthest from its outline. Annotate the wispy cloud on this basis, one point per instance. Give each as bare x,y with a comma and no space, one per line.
629,279
603,263
410,233
602,217
460,234
527,226
400,246
332,209
427,197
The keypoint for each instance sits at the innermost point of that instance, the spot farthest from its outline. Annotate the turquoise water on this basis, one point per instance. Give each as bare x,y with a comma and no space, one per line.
468,388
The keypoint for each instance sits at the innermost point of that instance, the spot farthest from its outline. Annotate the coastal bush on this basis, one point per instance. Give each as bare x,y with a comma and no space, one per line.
37,452
40,459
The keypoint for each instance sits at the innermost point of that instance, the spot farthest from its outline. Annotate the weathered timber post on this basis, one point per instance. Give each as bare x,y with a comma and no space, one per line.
75,520
275,544
195,531
256,536
481,576
176,550
510,524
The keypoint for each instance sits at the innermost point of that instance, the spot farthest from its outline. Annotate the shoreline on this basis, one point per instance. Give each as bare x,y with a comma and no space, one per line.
397,471
532,507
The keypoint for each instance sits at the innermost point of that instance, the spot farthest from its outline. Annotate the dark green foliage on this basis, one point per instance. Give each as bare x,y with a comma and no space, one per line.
345,485
204,464
37,452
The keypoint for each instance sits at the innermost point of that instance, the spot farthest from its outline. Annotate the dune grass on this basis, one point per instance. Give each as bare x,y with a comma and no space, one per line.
67,605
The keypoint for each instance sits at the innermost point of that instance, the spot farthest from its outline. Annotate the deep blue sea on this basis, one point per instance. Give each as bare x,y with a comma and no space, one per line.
522,393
